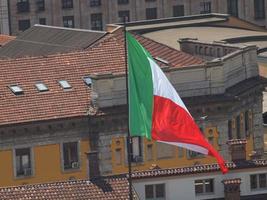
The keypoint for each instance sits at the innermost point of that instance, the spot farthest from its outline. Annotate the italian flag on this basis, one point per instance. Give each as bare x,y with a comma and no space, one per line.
155,109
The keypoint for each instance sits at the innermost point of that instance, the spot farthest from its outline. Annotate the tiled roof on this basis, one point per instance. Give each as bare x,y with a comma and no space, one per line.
107,55
99,189
5,39
204,168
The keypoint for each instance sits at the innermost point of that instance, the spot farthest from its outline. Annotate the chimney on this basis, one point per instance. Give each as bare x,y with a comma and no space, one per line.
237,148
232,189
94,171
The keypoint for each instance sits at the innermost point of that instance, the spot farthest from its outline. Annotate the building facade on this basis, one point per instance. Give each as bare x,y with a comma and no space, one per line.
95,14
58,108
4,17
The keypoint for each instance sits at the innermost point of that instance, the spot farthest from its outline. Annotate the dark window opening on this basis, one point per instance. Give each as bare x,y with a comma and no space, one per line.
123,1
23,6
68,21
204,186
96,21
156,191
23,162
24,24
95,3
136,149
230,135
151,13
238,131
232,6
67,3
124,14
40,4
259,9
42,21
178,10
205,7
70,155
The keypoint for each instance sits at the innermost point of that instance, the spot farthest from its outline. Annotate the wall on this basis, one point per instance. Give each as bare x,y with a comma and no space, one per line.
45,140
4,21
182,187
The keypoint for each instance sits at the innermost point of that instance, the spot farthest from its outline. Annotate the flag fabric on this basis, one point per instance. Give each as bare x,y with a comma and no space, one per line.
155,109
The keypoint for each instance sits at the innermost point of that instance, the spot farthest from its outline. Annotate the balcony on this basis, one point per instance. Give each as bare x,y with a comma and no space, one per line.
23,7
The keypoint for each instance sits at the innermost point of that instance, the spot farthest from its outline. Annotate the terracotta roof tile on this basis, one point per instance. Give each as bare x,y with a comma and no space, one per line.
237,141
236,181
107,55
5,39
99,189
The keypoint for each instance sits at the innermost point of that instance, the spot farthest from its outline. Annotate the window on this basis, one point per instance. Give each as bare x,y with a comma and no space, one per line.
40,4
67,3
70,155
68,21
149,152
230,135
259,9
23,6
96,21
258,181
165,151
24,24
204,186
238,130
151,13
123,1
178,10
17,90
94,3
118,156
23,162
247,121
41,87
156,191
124,13
205,7
193,154
64,84
180,152
232,6
42,21
136,149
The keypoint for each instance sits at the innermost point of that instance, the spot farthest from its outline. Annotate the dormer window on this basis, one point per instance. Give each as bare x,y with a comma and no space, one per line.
17,90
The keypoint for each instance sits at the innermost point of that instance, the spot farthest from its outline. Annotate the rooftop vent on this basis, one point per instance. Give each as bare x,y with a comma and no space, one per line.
87,80
41,87
17,90
64,84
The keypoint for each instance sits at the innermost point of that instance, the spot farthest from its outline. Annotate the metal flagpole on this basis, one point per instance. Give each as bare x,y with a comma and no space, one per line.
129,140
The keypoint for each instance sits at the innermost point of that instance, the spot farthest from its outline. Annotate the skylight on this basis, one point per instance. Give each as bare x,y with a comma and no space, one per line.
87,80
16,89
161,60
41,87
64,84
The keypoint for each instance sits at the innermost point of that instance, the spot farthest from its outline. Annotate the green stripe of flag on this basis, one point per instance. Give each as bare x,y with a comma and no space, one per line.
140,89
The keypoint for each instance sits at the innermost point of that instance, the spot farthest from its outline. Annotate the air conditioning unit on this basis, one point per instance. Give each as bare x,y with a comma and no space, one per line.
75,165
137,159
27,171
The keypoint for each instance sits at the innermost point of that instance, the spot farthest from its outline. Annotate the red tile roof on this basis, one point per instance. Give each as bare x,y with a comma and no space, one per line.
5,39
100,189
235,181
107,55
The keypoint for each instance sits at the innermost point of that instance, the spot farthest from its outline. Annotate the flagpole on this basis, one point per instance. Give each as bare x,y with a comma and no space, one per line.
129,140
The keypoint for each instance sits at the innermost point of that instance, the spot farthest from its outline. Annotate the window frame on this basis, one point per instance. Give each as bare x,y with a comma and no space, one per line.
15,175
259,9
67,19
95,3
40,5
232,7
23,6
25,27
149,13
63,157
154,191
95,18
258,182
122,2
205,7
176,10
121,14
204,187
67,4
